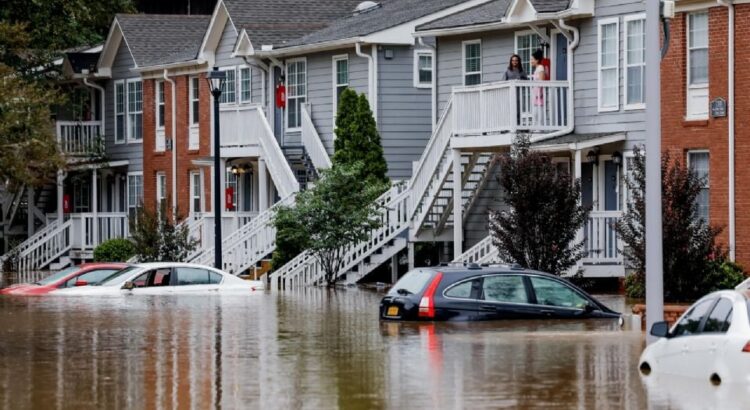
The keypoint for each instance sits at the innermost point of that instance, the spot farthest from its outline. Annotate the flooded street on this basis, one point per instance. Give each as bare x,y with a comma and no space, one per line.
310,348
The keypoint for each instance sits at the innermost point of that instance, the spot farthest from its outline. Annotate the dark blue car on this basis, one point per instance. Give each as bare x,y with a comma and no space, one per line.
487,293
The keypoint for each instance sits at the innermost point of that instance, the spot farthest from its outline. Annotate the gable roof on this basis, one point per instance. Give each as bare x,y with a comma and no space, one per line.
155,39
390,13
491,12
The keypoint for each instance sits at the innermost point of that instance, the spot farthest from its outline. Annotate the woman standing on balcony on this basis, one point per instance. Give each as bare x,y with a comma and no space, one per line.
515,69
537,93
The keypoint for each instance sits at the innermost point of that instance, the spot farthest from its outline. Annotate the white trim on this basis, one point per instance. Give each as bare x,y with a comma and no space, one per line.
238,75
193,128
334,74
289,97
417,54
626,63
129,138
693,91
159,101
161,186
192,175
464,73
236,89
600,24
124,113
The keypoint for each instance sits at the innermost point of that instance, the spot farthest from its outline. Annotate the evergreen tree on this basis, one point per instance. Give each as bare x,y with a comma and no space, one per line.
357,138
157,238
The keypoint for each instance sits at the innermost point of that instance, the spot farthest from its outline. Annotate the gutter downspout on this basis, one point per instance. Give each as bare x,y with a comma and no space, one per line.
729,4
174,144
433,104
371,93
263,70
572,45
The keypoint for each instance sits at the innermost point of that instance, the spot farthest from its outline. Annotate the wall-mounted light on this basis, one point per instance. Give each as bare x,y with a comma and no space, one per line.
616,158
592,156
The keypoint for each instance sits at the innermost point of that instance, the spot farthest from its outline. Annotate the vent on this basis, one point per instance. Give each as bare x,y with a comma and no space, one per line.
366,6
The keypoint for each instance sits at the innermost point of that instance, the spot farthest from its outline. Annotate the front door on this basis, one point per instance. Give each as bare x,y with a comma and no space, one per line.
587,184
611,181
561,57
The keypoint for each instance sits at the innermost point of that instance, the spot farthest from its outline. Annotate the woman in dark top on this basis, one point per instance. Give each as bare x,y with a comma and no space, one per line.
515,69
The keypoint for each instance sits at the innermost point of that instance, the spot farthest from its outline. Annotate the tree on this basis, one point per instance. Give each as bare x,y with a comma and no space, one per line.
157,238
290,239
539,229
689,245
339,211
357,137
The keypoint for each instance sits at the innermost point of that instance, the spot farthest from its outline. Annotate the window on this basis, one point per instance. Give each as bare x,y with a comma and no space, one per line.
413,282
698,163
689,324
120,112
697,75
296,77
194,276
160,104
635,61
550,292
135,193
135,110
196,192
92,278
504,288
720,318
609,80
472,62
245,84
461,291
340,79
229,87
232,182
161,190
526,44
160,277
194,131
423,69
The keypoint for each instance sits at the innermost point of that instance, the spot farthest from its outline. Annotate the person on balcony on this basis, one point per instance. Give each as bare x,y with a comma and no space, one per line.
515,69
537,92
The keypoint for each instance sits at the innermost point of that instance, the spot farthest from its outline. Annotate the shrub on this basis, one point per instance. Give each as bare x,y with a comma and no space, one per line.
114,250
724,274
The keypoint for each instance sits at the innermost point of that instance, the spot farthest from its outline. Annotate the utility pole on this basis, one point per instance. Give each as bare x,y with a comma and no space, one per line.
654,254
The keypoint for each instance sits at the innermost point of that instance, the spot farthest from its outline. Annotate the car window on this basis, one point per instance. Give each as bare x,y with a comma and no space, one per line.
550,292
192,276
57,276
158,277
214,278
413,282
120,277
461,290
504,288
720,317
95,276
689,324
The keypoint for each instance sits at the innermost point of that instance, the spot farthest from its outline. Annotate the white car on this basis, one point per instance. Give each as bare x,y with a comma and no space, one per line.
165,278
710,342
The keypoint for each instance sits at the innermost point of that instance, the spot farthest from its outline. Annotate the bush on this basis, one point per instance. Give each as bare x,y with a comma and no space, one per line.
721,274
114,250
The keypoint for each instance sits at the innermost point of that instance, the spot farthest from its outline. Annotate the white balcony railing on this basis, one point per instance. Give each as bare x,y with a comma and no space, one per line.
89,229
602,243
80,138
538,107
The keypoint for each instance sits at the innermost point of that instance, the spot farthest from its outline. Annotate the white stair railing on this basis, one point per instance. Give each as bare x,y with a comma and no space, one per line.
312,142
394,216
44,247
281,173
482,252
246,246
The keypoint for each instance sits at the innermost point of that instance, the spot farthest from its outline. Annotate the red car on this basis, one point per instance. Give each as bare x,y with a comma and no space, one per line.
82,275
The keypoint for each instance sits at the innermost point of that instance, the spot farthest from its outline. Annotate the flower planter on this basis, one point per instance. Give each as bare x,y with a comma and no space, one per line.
671,313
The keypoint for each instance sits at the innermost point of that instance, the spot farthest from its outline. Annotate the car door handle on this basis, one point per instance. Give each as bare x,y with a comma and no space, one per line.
489,308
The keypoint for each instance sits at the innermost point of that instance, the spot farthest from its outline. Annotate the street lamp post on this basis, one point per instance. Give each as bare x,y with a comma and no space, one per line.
215,82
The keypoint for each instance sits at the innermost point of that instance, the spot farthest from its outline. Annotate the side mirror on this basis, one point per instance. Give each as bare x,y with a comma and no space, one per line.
128,285
660,329
589,307
81,283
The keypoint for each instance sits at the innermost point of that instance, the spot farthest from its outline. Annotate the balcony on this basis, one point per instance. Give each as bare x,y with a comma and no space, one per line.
535,107
80,138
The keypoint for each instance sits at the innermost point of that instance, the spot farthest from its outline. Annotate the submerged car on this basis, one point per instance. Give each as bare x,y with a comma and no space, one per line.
710,342
83,275
485,293
165,278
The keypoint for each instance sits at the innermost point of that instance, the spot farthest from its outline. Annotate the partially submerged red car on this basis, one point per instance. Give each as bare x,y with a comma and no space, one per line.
82,275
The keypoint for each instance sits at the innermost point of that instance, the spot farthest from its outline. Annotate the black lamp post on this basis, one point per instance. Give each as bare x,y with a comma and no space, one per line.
215,82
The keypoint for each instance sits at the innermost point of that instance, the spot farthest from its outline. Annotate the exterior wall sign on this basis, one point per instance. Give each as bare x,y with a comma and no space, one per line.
718,107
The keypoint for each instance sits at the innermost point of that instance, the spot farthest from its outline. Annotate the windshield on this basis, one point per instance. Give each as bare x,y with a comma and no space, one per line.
57,276
119,277
412,283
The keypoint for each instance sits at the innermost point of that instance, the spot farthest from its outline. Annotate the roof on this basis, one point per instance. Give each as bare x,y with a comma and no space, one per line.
389,14
491,12
576,138
276,22
82,61
155,39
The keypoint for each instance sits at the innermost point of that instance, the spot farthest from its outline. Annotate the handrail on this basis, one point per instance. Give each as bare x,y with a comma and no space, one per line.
282,175
483,252
35,238
312,142
43,252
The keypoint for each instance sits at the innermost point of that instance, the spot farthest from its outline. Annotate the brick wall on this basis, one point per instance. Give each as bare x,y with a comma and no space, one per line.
155,162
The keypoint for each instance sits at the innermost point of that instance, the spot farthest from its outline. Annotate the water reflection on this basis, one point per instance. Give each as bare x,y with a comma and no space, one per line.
309,348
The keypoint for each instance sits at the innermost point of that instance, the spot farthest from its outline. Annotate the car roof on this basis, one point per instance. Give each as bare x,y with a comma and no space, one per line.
89,265
160,265
475,269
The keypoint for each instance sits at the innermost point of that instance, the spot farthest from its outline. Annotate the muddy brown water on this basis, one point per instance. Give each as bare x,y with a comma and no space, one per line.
310,348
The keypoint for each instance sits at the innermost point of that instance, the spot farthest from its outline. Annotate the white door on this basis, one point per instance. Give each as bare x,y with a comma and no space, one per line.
710,345
681,352
195,280
153,282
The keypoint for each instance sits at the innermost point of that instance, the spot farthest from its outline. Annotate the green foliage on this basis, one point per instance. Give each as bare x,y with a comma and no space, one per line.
688,242
635,285
339,211
357,138
114,250
723,274
290,239
540,229
156,237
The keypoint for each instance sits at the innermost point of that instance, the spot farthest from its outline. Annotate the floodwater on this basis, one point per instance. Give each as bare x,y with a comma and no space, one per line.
310,348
